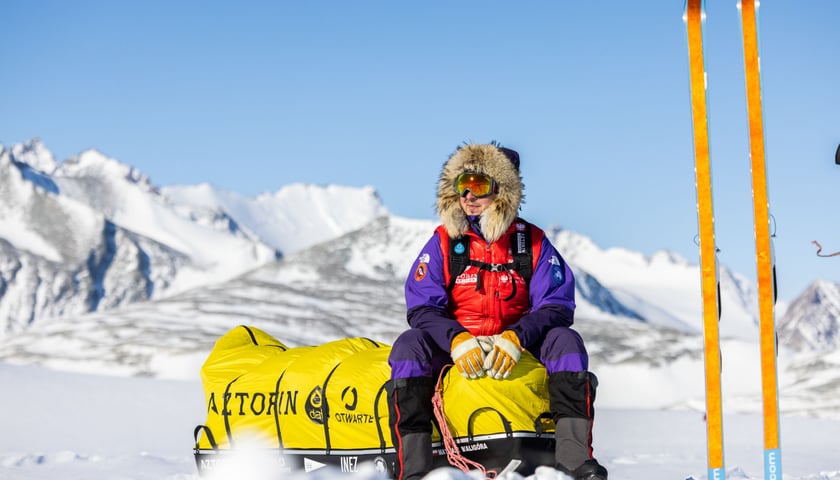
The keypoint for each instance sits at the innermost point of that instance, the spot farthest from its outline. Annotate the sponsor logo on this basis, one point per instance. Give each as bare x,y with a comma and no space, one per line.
351,393
771,464
211,464
424,258
459,248
380,465
225,462
313,406
358,418
253,403
467,447
420,273
472,447
557,275
350,397
349,464
310,465
466,278
520,244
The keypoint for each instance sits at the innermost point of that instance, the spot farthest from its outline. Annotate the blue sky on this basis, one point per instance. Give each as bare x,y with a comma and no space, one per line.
251,96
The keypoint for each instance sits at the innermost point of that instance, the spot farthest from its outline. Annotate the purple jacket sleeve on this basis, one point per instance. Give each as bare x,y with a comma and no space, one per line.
552,291
426,296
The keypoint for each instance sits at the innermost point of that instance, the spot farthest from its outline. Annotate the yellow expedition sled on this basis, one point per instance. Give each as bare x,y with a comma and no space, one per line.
273,409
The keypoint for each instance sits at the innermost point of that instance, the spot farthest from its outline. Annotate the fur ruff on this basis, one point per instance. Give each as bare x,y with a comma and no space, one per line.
490,160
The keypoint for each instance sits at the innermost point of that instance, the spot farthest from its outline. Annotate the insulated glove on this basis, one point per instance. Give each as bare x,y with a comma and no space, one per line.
506,352
486,342
467,355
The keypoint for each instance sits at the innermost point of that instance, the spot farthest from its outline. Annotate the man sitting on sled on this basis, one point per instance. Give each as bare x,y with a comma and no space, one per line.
492,300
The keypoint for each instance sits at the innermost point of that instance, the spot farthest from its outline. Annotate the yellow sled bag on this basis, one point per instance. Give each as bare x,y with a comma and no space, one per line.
306,408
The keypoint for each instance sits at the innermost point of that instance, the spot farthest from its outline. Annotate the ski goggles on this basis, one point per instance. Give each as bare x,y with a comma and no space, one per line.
479,184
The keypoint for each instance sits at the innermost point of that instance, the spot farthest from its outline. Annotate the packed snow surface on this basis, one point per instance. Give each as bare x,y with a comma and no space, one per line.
83,426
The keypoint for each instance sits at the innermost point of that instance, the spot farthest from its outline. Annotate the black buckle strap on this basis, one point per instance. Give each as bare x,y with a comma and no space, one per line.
495,267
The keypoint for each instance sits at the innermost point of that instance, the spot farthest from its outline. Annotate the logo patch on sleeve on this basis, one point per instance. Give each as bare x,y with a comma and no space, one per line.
421,271
558,275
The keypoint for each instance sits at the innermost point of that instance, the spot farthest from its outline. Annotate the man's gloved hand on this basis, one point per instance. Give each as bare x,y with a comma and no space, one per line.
486,342
468,355
506,352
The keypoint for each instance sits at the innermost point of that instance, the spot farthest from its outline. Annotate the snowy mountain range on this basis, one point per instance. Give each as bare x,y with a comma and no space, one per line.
101,270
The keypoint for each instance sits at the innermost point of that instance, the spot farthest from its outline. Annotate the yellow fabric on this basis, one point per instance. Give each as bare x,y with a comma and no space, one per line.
332,396
308,377
238,378
237,352
358,402
520,398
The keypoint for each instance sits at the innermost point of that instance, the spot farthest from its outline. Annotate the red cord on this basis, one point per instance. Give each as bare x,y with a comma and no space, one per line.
453,453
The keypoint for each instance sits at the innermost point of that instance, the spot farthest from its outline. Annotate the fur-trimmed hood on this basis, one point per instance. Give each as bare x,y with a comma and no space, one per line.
491,159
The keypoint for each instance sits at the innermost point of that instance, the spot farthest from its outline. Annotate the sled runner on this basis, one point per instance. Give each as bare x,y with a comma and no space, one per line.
301,409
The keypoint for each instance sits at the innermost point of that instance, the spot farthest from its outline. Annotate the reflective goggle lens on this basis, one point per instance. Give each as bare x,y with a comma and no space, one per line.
479,184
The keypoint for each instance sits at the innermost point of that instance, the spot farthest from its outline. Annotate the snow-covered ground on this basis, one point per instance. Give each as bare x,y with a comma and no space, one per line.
82,426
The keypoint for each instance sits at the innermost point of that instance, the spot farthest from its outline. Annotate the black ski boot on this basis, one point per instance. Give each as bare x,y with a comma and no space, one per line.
589,470
572,403
410,409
